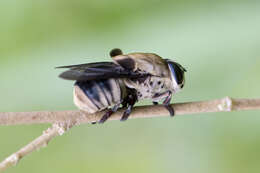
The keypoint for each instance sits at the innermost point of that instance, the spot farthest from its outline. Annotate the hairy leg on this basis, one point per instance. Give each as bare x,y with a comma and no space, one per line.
166,103
108,114
155,103
130,100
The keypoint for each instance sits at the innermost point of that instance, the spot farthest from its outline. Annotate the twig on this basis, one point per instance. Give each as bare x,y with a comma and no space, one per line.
79,117
64,120
41,141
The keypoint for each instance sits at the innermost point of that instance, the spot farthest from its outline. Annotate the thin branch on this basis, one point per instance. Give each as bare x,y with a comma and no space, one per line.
80,117
64,120
41,141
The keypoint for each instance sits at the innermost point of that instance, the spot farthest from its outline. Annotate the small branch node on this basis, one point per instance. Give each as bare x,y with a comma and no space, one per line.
61,128
13,159
226,104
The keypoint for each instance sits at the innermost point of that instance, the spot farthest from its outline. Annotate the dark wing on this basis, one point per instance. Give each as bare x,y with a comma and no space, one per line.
97,71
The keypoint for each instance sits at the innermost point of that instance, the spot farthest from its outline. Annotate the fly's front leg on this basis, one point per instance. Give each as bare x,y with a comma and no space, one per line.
166,103
108,114
131,100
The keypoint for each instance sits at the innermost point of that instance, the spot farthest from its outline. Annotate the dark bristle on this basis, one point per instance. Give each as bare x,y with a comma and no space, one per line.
115,52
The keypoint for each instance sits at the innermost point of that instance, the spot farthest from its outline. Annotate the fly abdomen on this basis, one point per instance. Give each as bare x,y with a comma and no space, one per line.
96,95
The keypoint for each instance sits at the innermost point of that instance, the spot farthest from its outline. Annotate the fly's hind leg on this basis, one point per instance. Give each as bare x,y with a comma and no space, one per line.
108,113
166,104
155,103
130,100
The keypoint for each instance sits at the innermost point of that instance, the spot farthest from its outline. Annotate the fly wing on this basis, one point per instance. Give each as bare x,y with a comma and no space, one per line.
97,71
87,65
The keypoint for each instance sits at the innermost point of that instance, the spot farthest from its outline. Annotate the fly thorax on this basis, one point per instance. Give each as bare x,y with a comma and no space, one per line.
149,87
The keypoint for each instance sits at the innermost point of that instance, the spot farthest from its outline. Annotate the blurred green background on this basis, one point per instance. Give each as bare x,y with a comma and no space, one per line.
217,41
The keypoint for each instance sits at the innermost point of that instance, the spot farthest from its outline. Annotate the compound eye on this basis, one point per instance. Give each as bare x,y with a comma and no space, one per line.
177,72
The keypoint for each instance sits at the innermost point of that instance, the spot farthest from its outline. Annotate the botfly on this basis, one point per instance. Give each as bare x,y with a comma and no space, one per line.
126,80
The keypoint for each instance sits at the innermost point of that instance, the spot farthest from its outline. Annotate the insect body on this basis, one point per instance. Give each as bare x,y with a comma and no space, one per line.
130,78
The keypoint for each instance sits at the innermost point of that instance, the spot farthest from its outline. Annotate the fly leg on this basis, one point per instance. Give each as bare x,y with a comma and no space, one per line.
130,100
166,103
108,113
125,102
155,103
